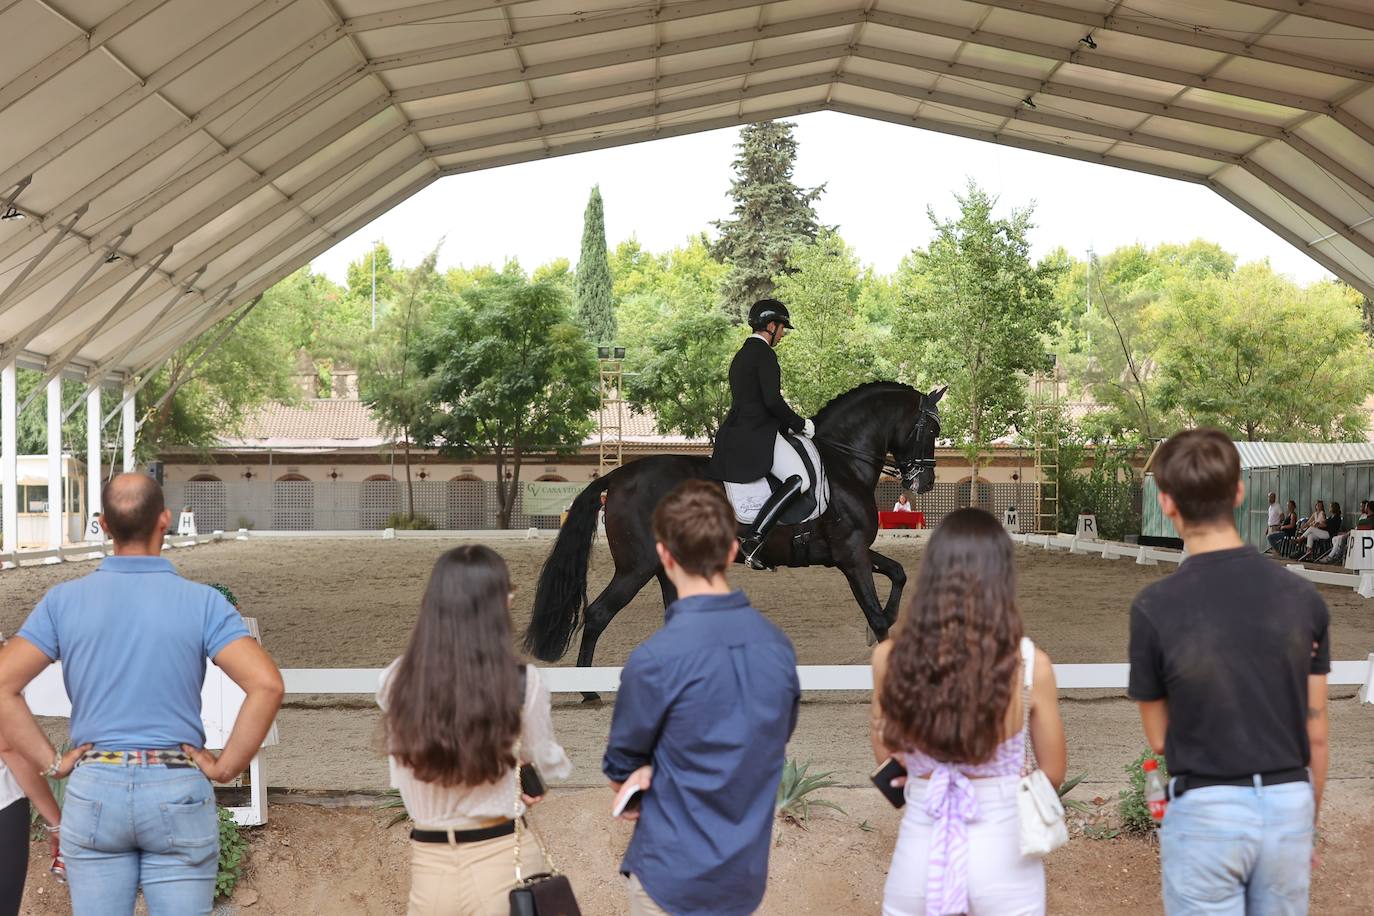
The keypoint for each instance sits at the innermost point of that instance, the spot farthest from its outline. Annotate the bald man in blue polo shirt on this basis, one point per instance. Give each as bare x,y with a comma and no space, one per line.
133,638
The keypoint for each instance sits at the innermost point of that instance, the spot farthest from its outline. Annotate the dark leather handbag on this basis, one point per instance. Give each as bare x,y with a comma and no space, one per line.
548,893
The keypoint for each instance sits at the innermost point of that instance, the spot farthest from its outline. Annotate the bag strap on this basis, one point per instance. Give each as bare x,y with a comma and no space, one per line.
1028,762
539,841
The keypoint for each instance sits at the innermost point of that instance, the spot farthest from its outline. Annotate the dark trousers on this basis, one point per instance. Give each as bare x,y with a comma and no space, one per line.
14,855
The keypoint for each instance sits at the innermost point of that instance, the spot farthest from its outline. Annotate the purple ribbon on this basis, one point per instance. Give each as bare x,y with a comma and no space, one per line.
950,803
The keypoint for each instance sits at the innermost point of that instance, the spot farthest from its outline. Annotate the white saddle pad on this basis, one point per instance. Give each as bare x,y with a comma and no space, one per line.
748,498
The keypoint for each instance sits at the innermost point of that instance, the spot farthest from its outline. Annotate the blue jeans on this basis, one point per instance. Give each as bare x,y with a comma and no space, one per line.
1238,850
126,826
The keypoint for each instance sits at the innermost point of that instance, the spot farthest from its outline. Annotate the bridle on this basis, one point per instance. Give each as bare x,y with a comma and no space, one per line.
907,468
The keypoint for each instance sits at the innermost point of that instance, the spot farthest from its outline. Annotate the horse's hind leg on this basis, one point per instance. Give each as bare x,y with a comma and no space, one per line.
620,592
669,589
893,570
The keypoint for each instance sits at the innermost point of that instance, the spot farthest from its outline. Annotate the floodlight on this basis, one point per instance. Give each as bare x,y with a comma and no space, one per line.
603,352
619,352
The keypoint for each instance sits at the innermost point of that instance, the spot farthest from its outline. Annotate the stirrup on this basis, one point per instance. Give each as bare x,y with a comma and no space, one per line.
749,548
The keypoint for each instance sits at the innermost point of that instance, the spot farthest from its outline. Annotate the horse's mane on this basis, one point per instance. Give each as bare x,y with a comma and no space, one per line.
840,401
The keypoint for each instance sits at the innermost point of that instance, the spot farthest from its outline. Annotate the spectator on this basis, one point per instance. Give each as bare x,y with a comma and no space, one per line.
1366,520
1227,624
948,702
460,711
18,779
133,637
1326,529
1275,514
902,504
1335,524
705,709
1288,528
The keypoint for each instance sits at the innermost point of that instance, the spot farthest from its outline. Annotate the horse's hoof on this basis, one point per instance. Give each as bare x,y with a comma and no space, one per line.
591,699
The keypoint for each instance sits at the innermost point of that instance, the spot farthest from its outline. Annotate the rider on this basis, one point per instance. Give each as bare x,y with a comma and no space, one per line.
750,444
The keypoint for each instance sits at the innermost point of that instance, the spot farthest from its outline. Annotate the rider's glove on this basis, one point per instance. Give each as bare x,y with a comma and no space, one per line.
809,429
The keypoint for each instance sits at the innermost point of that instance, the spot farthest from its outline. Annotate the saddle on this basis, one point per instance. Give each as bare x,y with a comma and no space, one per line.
748,498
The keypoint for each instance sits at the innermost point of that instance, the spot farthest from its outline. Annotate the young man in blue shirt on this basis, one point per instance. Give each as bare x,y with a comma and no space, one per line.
133,638
705,709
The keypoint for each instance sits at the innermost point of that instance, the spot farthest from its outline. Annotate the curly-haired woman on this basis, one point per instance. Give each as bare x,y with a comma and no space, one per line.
458,707
948,703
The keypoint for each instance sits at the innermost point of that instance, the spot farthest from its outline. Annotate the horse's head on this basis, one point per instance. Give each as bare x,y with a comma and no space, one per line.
916,453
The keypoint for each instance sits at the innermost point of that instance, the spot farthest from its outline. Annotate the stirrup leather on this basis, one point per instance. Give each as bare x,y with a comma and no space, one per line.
768,516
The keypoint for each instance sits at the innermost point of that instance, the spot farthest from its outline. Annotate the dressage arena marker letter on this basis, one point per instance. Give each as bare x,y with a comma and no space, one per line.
1360,557
1087,526
1010,519
186,523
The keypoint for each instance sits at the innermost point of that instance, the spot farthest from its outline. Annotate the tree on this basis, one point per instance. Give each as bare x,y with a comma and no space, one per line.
592,287
1262,358
388,375
508,373
834,347
771,213
979,313
681,373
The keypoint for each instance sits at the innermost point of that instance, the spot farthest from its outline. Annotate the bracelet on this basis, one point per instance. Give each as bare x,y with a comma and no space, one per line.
52,828
54,767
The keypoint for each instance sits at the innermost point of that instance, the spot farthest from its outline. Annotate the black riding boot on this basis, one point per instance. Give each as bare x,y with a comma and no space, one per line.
767,518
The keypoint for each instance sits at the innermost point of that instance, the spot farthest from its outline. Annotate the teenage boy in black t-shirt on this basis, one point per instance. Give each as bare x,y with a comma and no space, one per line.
1229,657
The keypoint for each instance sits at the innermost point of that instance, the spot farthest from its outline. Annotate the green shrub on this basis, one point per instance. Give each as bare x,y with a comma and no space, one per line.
794,804
390,800
233,849
402,522
1074,804
1135,813
224,590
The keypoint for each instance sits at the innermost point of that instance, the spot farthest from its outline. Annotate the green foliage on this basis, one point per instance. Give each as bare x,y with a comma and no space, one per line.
977,316
1135,812
592,287
233,848
771,214
1068,786
1107,488
391,801
680,373
794,803
404,522
506,373
834,347
224,590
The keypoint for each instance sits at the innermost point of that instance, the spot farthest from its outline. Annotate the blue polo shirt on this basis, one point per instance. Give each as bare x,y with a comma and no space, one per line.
711,701
133,637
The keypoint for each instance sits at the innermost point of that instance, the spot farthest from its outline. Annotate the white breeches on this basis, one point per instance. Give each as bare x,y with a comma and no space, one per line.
786,462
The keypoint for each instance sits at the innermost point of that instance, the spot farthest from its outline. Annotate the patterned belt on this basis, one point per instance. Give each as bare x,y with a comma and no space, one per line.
171,759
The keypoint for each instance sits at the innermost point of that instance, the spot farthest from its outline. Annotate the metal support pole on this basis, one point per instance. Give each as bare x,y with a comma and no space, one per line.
93,427
130,428
56,492
9,455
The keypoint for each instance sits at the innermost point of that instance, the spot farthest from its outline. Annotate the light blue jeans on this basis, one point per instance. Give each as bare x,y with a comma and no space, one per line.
126,826
1238,851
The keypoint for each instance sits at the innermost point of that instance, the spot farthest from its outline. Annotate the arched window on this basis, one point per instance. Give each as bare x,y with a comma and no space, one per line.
552,478
465,503
379,498
293,503
204,493
984,493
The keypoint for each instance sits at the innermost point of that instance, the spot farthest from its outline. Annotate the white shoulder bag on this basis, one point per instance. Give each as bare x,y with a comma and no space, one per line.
1042,814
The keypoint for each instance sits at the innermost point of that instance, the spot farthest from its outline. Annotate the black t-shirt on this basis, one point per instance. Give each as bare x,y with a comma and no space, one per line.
1229,641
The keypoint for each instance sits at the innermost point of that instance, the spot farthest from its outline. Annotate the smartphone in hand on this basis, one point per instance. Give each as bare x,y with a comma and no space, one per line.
628,798
532,781
882,778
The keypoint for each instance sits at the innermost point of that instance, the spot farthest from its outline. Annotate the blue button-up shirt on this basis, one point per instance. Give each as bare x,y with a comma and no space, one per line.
710,700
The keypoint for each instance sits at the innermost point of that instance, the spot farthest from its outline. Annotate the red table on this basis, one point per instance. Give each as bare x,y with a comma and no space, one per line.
901,519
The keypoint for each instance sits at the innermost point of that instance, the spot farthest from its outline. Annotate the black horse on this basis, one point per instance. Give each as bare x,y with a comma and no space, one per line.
855,433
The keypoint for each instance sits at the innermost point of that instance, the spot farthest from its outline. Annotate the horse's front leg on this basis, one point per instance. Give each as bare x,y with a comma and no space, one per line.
895,574
858,570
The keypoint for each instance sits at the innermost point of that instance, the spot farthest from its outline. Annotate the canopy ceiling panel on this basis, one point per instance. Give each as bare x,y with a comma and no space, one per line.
163,162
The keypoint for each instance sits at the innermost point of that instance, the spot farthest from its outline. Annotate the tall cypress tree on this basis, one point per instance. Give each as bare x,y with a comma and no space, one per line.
771,214
592,285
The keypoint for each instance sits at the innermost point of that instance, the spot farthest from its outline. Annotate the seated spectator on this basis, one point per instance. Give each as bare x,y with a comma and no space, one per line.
1287,529
949,701
701,723
461,711
902,504
133,638
1339,535
1366,520
1314,529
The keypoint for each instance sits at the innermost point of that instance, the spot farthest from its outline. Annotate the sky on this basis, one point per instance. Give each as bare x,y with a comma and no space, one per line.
880,179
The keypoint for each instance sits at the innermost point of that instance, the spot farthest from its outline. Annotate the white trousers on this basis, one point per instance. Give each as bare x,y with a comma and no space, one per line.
1313,535
1001,881
786,462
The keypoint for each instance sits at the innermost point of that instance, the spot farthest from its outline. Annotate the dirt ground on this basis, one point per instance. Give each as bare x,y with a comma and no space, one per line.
351,603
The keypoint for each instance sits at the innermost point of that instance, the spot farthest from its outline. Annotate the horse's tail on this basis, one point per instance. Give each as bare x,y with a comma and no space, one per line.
562,592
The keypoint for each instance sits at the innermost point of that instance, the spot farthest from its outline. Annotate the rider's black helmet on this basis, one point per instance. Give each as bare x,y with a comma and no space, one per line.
766,310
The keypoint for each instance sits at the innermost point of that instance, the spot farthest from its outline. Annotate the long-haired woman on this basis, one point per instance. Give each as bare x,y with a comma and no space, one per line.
948,704
458,707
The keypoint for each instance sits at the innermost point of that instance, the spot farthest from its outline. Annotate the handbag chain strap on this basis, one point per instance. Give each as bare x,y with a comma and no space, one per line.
539,841
1028,764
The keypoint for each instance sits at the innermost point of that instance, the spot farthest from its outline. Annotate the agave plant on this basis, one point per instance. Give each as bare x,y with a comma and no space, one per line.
390,800
794,802
1075,804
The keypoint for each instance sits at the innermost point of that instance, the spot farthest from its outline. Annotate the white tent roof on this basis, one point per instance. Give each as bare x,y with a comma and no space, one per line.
171,159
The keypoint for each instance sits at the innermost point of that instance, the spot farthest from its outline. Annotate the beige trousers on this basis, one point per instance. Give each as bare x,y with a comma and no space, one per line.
641,904
468,879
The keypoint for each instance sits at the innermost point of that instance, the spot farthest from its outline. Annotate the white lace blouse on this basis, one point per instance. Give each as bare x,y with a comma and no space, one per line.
435,807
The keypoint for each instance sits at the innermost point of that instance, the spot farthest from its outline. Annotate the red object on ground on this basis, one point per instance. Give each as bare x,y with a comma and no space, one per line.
901,519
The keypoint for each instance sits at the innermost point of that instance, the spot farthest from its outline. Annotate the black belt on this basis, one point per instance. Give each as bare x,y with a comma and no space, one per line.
1182,784
505,828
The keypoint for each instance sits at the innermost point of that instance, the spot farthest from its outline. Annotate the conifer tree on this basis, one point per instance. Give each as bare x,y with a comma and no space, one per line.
771,214
592,285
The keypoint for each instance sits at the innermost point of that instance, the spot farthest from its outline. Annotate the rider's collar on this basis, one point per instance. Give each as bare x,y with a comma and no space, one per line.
762,336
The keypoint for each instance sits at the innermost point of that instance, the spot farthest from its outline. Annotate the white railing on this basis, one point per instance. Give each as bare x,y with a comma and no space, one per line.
96,550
